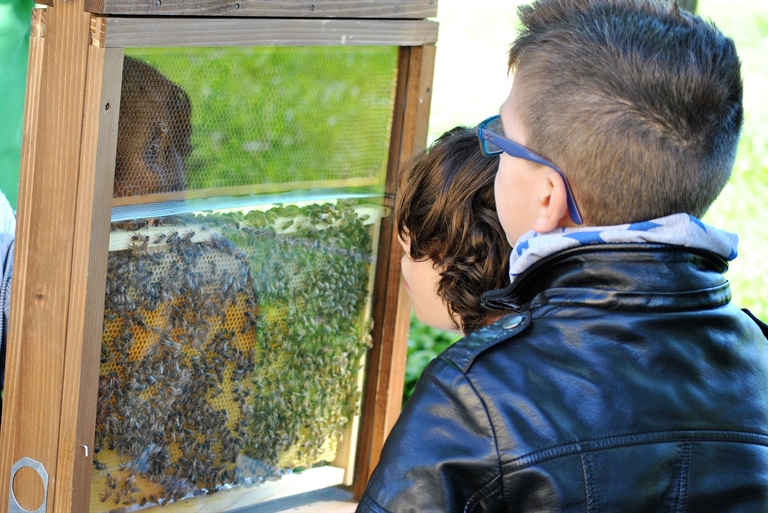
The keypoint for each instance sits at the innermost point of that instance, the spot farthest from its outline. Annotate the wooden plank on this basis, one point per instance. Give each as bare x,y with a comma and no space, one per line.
89,275
386,359
400,9
242,190
13,403
159,32
43,257
250,496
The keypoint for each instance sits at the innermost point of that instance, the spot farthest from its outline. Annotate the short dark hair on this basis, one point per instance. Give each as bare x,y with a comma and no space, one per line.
637,101
446,208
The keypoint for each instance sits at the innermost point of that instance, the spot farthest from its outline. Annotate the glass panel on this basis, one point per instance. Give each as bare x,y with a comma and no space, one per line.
248,187
255,118
232,352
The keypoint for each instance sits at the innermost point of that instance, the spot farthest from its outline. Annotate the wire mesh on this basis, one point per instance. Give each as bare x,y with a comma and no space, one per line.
201,118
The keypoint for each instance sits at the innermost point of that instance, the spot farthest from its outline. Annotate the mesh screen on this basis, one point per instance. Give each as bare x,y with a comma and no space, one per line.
231,348
199,118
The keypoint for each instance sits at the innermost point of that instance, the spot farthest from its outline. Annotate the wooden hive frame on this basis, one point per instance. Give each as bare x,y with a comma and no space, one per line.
65,201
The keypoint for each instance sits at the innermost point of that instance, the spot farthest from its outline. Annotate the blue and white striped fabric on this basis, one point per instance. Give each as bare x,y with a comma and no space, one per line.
7,235
677,229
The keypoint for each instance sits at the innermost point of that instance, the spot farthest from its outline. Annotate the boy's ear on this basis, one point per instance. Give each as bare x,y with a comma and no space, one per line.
553,204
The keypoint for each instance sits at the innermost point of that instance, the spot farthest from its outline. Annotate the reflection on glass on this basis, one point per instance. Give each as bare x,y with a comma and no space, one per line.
253,118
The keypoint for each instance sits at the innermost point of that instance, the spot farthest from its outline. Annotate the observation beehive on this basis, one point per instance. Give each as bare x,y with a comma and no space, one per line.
210,288
231,348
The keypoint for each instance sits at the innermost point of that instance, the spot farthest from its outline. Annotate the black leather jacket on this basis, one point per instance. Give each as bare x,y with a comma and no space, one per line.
627,383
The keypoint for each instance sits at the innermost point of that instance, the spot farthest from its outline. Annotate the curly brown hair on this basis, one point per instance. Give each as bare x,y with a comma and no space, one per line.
446,210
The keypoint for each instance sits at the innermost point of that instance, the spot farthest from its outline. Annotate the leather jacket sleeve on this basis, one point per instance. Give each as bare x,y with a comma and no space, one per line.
441,456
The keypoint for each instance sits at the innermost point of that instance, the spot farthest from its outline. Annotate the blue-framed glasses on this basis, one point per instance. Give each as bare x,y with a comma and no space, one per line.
491,143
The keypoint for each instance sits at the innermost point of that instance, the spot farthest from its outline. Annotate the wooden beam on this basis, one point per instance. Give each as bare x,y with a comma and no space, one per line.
89,276
159,32
37,347
386,360
399,9
242,190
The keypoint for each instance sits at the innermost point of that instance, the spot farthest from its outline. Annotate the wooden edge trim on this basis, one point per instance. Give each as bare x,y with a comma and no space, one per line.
159,32
44,250
12,408
376,353
398,9
386,369
89,274
241,190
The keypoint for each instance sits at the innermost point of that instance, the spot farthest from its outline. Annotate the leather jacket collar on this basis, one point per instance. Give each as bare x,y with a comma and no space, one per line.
640,274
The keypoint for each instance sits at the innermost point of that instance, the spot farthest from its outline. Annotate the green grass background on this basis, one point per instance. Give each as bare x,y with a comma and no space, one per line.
471,83
266,115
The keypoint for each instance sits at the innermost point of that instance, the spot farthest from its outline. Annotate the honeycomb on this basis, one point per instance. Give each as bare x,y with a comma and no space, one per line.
231,348
313,287
202,118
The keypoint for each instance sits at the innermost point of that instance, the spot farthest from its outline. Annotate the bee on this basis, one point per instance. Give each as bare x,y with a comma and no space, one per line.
106,495
160,237
137,248
131,225
174,220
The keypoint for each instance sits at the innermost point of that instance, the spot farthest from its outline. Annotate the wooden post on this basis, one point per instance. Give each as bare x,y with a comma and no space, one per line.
385,374
89,275
42,345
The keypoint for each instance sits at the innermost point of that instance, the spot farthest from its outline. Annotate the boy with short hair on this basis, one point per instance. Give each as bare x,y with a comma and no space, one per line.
626,381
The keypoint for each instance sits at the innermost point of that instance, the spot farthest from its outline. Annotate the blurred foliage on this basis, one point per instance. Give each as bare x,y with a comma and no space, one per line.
742,206
424,344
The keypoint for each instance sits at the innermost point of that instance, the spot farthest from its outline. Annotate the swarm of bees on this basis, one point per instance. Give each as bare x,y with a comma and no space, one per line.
313,331
231,350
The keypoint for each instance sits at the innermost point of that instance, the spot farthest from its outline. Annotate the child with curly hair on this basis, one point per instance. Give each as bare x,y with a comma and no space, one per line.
454,246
